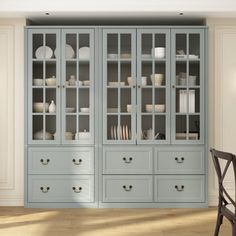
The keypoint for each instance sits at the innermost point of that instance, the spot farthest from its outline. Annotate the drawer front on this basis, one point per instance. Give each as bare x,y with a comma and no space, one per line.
129,161
60,188
179,188
127,188
61,161
179,162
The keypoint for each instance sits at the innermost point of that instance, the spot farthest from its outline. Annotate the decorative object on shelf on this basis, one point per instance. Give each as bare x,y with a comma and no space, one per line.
69,135
72,80
144,80
83,135
149,134
39,135
44,52
131,80
52,107
38,82
84,53
184,97
67,83
39,107
159,52
51,81
183,136
129,107
146,56
125,55
79,83
160,108
149,107
86,82
157,79
192,80
116,83
84,109
112,55
70,109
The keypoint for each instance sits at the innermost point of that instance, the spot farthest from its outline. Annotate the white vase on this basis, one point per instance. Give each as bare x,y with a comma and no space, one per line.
52,107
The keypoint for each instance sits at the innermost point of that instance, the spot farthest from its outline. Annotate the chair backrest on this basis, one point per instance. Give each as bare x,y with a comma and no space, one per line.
221,170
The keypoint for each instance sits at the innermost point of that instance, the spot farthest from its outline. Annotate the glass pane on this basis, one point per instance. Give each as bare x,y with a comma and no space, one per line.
71,105
71,74
37,73
181,127
194,46
125,127
194,127
50,73
160,127
181,73
160,100
160,46
181,100
158,79
112,74
147,46
181,46
37,46
70,47
146,73
84,47
51,126
125,46
70,127
147,101
84,76
125,100
112,126
38,101
194,100
112,100
50,46
84,103
51,99
125,73
38,127
194,73
147,132
112,46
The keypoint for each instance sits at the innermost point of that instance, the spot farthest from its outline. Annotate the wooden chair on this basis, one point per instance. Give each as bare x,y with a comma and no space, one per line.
226,206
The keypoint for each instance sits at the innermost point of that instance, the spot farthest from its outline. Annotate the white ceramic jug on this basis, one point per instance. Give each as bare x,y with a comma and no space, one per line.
52,107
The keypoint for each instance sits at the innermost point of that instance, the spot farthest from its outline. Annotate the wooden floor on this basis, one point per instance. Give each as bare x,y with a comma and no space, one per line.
18,221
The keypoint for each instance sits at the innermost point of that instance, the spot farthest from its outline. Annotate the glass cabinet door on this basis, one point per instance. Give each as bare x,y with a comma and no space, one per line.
78,86
153,78
43,82
188,86
119,85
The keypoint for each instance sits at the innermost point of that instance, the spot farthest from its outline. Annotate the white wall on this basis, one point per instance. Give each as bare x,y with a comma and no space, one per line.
11,111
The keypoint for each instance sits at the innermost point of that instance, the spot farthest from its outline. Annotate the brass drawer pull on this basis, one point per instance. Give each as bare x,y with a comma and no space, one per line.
45,162
44,189
127,160
77,189
127,189
77,162
179,189
179,160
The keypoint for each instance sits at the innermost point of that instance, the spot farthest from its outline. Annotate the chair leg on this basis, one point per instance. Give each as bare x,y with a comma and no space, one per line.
218,224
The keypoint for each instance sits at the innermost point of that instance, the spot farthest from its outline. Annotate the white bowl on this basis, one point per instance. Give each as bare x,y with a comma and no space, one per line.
159,52
144,80
129,107
86,82
38,82
131,80
82,135
149,107
157,79
68,135
51,81
70,109
84,109
160,108
39,135
38,106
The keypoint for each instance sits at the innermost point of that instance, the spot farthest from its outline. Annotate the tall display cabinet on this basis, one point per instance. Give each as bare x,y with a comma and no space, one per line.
116,116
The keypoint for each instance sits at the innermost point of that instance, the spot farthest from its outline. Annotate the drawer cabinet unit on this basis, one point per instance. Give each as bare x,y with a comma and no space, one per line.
116,116
61,161
179,188
127,161
127,188
185,161
59,188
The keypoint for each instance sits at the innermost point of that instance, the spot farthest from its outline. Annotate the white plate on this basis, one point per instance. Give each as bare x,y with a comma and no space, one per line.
124,136
43,52
126,132
146,55
112,136
69,52
114,132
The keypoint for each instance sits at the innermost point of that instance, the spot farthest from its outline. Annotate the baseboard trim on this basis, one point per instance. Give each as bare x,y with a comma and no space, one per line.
11,202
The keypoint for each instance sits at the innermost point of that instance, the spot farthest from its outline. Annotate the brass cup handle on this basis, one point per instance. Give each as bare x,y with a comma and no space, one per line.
45,162
77,189
127,189
44,189
179,160
77,162
179,189
129,160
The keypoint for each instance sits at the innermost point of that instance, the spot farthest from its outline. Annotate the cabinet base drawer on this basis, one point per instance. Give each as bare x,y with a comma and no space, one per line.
60,188
127,188
179,188
61,160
